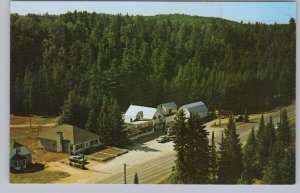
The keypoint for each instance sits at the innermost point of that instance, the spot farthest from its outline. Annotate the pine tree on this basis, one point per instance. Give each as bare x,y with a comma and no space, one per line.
136,179
272,134
213,159
234,154
261,144
250,160
272,173
118,126
72,111
91,124
104,122
223,162
180,146
284,133
287,167
261,127
197,151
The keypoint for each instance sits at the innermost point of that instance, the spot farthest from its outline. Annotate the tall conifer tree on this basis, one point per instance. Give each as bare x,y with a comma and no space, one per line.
213,159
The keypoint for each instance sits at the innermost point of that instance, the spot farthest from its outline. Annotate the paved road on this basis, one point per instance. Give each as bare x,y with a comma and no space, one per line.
153,171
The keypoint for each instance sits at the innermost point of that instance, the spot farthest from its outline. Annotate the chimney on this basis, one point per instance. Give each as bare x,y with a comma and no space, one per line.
59,141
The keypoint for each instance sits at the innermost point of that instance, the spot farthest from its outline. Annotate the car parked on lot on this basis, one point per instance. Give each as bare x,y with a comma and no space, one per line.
163,139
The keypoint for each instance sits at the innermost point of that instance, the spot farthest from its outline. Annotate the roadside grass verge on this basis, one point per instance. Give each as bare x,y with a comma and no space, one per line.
41,177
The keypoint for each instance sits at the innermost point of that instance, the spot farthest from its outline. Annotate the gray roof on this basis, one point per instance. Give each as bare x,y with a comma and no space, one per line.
195,107
14,144
169,104
70,132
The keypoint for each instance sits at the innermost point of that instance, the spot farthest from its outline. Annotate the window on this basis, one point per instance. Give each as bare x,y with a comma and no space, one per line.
80,146
18,150
71,147
93,142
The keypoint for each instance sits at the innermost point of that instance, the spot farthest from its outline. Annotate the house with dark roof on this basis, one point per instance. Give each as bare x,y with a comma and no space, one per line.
196,107
168,111
20,156
68,139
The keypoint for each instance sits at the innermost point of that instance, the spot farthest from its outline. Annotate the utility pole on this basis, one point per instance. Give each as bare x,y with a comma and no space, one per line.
124,173
30,115
219,115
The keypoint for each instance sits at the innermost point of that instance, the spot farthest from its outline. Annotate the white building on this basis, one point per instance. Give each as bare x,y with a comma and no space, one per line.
141,120
168,110
196,107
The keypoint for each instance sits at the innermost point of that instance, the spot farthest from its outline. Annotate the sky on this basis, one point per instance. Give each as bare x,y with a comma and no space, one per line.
264,12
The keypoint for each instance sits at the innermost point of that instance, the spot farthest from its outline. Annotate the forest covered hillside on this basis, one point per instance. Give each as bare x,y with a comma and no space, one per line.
85,58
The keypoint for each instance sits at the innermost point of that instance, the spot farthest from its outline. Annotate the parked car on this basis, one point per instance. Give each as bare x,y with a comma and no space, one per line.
77,159
163,139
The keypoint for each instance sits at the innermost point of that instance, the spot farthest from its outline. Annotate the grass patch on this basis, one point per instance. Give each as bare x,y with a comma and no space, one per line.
41,177
35,120
110,150
100,155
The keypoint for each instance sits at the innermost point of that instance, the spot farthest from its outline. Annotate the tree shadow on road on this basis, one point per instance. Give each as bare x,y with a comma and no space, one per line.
142,147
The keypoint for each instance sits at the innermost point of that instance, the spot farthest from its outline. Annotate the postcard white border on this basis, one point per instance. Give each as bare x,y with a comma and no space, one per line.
6,187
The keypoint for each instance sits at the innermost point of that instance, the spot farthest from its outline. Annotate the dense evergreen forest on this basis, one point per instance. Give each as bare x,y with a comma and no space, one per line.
147,60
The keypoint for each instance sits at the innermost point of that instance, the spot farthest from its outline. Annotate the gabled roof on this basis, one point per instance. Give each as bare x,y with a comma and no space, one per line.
23,150
14,144
133,110
72,133
169,104
195,107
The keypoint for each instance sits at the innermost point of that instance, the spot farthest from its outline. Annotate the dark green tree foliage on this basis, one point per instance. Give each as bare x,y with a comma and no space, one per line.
73,111
272,134
287,167
197,151
91,124
222,162
192,146
110,124
284,133
213,159
180,146
280,168
266,142
272,173
136,179
250,160
149,59
261,128
233,155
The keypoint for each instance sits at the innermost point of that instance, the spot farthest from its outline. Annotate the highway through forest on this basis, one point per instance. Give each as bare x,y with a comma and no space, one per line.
153,171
